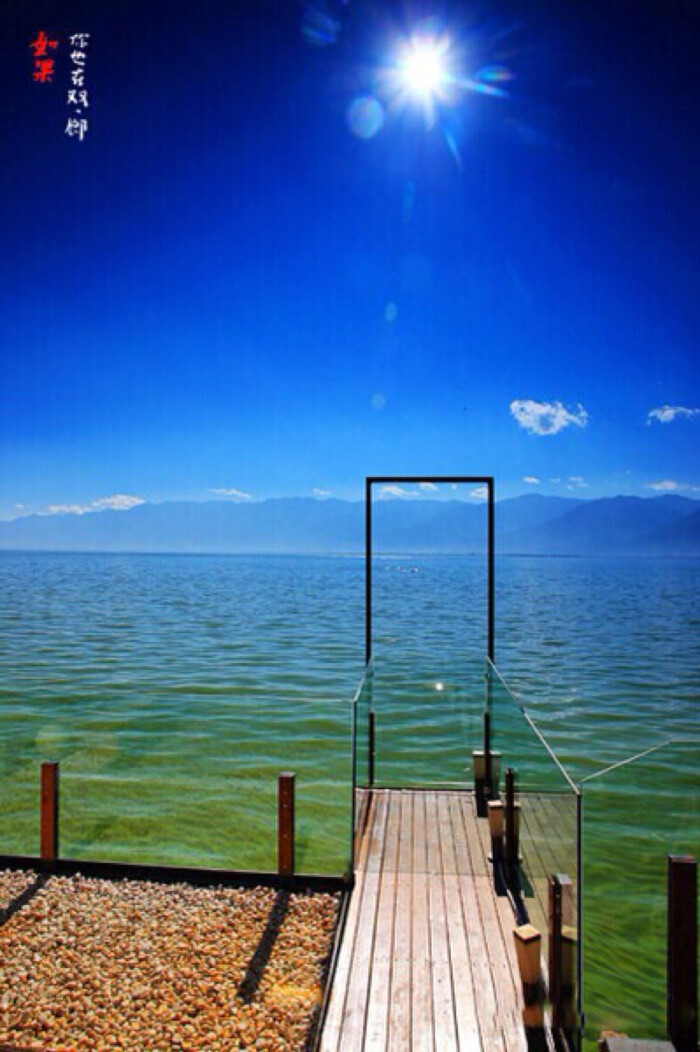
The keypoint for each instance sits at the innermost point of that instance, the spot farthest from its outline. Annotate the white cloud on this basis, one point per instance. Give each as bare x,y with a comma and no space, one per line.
531,480
665,414
118,502
321,492
480,493
577,482
665,486
546,418
67,509
428,486
397,491
223,491
555,480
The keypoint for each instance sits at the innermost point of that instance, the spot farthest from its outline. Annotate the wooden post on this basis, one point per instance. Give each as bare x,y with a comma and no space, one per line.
682,958
488,765
487,768
512,824
49,811
569,953
528,949
370,745
562,950
555,923
495,813
478,764
285,824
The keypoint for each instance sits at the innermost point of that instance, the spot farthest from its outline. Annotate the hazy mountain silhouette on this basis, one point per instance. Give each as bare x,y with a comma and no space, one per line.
530,524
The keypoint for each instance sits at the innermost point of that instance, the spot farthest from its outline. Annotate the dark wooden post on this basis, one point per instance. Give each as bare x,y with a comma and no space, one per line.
512,831
682,974
488,758
555,924
370,745
562,950
495,813
479,782
285,824
49,810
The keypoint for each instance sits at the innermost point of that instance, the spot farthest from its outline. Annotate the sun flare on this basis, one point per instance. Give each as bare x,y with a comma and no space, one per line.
422,68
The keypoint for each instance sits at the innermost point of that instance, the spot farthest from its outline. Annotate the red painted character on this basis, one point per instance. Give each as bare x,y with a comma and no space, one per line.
42,44
44,70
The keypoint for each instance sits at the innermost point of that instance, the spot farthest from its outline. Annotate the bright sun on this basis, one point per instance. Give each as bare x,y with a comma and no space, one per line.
422,69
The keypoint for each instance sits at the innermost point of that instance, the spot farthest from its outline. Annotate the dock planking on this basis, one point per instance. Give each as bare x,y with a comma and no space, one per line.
427,962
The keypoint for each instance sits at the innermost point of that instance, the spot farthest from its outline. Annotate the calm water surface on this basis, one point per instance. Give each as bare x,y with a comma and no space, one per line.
173,689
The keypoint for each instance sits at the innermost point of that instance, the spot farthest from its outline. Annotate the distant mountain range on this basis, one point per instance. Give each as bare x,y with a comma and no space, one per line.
531,524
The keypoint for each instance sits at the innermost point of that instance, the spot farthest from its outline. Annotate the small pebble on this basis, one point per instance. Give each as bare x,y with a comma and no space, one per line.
96,964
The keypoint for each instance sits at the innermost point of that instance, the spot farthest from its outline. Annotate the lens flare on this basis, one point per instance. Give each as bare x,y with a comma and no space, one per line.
365,116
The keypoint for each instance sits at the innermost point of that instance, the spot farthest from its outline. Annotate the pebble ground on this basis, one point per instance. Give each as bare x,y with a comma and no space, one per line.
12,884
96,965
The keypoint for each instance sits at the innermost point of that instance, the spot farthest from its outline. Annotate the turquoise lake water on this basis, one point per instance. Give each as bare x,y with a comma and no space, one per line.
174,689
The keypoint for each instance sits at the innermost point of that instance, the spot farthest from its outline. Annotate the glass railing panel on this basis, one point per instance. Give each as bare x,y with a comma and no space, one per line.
192,784
363,708
549,815
429,631
173,691
428,720
634,816
362,714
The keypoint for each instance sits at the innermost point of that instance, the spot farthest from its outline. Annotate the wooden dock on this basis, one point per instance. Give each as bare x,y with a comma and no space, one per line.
427,962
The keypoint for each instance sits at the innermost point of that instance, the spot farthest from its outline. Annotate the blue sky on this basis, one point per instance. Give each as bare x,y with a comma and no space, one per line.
236,282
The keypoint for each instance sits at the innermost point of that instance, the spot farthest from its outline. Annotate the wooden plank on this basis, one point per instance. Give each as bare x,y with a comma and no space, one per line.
352,1028
422,1035
447,839
406,837
464,822
377,1025
503,968
479,865
432,839
443,995
507,997
336,1002
463,865
456,861
400,1006
336,1006
465,998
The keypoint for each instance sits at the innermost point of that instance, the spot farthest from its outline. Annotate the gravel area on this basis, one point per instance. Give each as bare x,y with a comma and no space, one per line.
12,883
94,964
